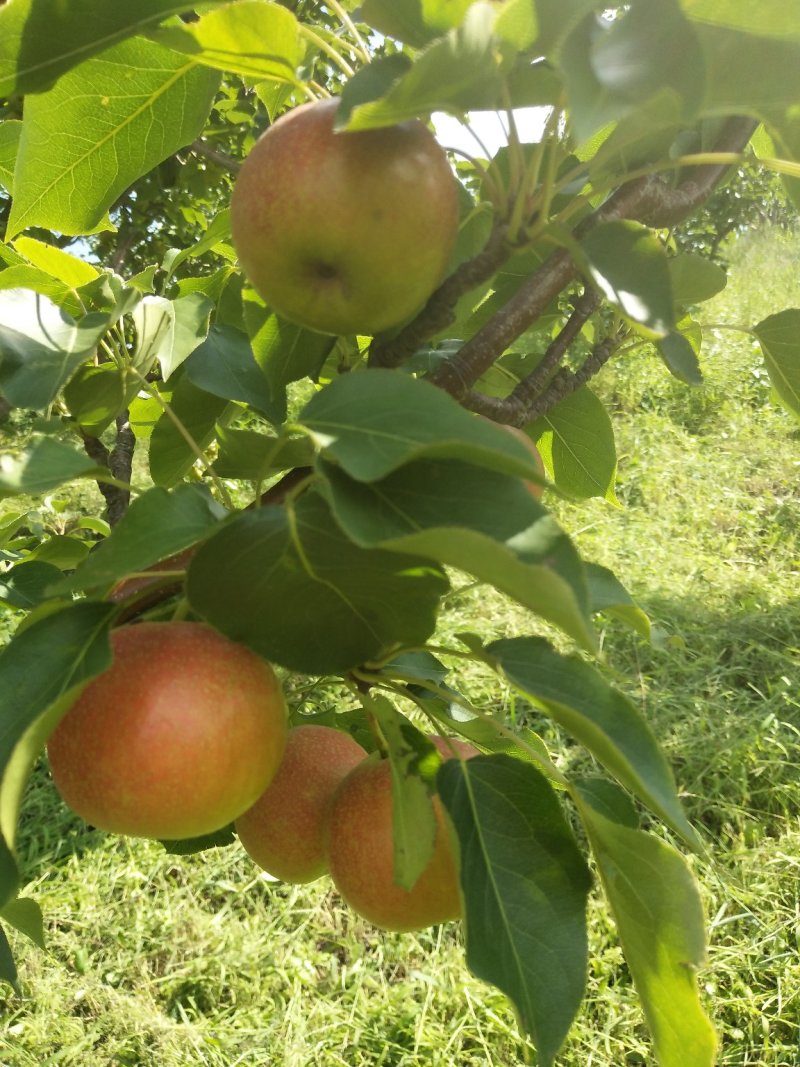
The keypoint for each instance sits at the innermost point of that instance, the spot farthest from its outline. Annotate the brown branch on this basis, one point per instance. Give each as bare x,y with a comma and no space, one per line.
648,199
566,381
118,462
220,158
439,312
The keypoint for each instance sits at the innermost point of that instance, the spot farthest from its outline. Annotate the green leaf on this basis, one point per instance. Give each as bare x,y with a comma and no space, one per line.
401,19
579,699
525,886
74,644
102,126
10,133
576,443
189,845
44,465
59,264
25,276
8,969
373,422
41,39
679,354
629,266
779,337
217,234
749,75
608,595
171,456
27,584
457,73
254,38
224,366
339,604
695,278
41,346
517,23
413,821
61,551
169,330
370,83
253,456
660,920
96,395
25,915
157,525
612,68
284,352
484,523
768,18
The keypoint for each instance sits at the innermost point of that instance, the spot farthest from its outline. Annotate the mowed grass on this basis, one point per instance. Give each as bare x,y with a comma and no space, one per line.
164,961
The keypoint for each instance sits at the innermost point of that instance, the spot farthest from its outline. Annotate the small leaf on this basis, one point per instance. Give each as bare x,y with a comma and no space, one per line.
188,846
607,594
525,886
577,697
695,278
770,18
25,915
576,443
96,395
224,366
41,346
660,920
630,267
284,352
370,83
779,337
339,604
101,126
59,264
253,456
218,232
374,422
679,355
254,38
27,584
457,73
413,821
171,455
401,19
169,330
8,969
73,642
157,525
44,465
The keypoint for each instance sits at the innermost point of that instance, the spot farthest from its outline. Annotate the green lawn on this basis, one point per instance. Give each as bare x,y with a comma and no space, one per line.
161,961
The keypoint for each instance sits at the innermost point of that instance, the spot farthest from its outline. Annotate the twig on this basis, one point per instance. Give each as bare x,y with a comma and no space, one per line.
222,159
439,312
647,199
119,461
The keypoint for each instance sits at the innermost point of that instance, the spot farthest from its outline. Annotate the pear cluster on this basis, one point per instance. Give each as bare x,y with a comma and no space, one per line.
187,732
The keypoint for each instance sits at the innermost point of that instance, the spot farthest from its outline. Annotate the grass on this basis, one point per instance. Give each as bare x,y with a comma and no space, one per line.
164,961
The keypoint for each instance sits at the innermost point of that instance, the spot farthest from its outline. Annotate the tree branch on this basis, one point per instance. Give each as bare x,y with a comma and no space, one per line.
220,158
119,463
648,199
439,312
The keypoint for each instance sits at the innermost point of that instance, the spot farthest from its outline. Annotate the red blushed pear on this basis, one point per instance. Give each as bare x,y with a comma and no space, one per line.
176,739
284,830
361,856
344,232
